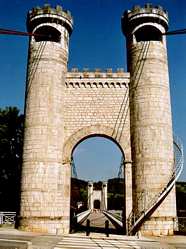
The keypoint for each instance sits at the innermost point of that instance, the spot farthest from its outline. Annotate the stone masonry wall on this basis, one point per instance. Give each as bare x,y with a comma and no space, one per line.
92,99
99,100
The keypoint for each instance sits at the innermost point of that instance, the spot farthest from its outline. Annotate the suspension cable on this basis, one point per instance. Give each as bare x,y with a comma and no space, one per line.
73,168
23,33
33,69
136,78
122,116
18,33
176,32
121,168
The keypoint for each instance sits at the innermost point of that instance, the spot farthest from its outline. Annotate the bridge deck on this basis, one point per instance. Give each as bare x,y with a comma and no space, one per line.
97,219
97,224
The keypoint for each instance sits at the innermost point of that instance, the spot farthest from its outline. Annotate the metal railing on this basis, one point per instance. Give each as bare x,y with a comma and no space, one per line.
182,224
136,219
7,218
82,216
116,218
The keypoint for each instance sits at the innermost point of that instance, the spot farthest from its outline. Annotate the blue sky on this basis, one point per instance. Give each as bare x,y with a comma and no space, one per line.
96,42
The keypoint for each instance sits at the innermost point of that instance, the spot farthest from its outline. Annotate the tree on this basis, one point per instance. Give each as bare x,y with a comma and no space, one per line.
11,141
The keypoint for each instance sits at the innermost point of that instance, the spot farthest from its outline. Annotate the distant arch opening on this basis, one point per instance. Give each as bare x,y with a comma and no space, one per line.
96,160
148,33
47,33
94,154
97,204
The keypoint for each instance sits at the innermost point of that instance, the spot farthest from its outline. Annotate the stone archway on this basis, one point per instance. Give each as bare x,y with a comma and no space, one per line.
85,132
103,131
97,204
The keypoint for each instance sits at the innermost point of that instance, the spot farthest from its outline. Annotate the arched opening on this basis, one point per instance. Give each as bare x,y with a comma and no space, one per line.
97,204
97,177
148,33
47,33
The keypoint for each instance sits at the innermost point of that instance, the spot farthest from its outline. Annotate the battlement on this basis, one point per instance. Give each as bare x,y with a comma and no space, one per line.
148,13
49,14
97,73
47,9
97,79
148,9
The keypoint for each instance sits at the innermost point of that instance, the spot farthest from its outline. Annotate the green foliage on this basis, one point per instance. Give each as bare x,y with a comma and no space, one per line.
98,185
116,193
116,186
11,141
180,199
83,194
78,193
181,187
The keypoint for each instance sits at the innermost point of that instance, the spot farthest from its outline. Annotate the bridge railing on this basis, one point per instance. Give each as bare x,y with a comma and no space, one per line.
116,218
7,218
82,216
182,224
136,219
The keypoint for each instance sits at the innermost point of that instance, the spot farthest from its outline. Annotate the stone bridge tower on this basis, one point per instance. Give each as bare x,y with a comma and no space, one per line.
150,114
64,108
100,195
43,179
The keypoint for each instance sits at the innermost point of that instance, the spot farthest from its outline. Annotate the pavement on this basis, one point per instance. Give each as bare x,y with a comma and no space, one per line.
14,239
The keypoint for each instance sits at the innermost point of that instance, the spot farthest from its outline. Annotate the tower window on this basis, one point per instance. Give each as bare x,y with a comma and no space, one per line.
47,33
148,33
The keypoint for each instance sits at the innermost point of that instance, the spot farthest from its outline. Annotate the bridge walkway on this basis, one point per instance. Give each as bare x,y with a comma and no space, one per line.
97,224
97,219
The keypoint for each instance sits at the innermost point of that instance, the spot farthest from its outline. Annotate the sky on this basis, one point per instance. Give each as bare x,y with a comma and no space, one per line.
96,42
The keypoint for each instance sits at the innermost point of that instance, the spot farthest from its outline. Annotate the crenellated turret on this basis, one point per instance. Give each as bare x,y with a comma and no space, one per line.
141,16
39,16
45,205
150,115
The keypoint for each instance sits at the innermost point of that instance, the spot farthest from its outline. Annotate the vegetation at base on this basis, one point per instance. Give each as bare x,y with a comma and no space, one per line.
116,194
181,199
79,193
11,143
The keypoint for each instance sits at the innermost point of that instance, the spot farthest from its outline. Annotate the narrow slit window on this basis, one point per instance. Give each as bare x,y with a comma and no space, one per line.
47,33
148,33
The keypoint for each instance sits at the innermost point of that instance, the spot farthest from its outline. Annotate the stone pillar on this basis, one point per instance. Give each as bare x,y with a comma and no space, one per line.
128,187
150,115
90,196
45,205
104,196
